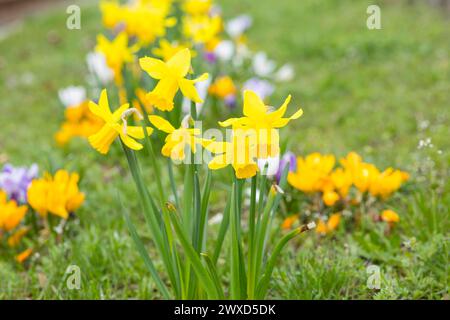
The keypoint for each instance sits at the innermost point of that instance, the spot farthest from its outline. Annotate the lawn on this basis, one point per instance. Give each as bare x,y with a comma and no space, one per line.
377,92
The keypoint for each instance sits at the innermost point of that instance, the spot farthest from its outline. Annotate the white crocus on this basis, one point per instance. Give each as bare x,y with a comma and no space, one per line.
272,164
262,66
96,62
285,73
225,50
237,26
72,96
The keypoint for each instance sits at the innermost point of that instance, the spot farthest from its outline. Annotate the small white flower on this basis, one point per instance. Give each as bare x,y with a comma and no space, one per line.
216,219
262,66
272,165
224,50
285,73
237,26
72,96
96,62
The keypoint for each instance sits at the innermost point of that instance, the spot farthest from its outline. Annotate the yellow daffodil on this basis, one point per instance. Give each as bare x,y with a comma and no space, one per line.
223,87
10,213
197,7
177,139
58,195
240,153
111,13
167,50
203,29
171,76
116,52
331,225
259,118
102,140
390,216
312,172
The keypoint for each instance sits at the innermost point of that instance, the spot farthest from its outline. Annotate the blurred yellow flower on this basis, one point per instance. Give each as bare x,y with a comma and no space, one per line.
116,52
58,195
197,7
15,238
223,87
289,222
387,182
364,175
177,139
330,198
102,140
80,122
203,29
10,213
390,216
342,181
24,255
331,225
171,76
167,50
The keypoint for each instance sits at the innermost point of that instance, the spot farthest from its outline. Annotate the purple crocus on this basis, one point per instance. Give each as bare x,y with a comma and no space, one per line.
210,57
16,180
287,158
262,88
230,101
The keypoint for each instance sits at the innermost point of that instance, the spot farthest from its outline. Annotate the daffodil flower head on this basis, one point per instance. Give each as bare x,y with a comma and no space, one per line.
116,52
172,76
177,140
263,121
240,153
112,128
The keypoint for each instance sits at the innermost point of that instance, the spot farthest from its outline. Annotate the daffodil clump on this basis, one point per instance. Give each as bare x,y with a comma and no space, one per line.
345,191
33,208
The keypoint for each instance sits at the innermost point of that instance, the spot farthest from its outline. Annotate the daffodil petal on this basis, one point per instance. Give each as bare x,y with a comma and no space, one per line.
102,108
277,114
161,123
203,77
218,162
188,89
156,68
130,142
180,63
138,132
253,105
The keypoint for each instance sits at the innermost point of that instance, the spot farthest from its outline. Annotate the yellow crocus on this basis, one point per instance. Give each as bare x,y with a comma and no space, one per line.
116,53
171,76
312,172
24,255
387,182
102,140
331,225
10,213
177,139
330,198
342,181
364,175
390,216
58,195
289,222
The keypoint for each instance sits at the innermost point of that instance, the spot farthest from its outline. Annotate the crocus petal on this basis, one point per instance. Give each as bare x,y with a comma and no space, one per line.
161,123
180,63
156,68
253,105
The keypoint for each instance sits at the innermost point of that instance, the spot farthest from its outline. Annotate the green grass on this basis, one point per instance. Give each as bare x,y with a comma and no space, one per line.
362,90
